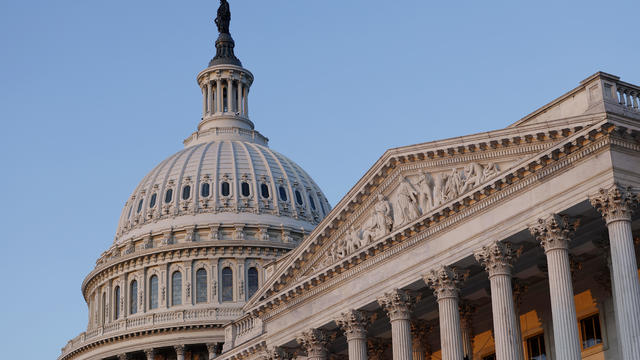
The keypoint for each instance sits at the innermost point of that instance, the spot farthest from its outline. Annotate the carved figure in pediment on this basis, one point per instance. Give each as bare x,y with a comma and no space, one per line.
406,206
490,170
380,222
426,192
337,251
351,241
450,186
474,174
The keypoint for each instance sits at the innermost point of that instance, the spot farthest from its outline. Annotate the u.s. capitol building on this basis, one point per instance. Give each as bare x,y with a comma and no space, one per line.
512,244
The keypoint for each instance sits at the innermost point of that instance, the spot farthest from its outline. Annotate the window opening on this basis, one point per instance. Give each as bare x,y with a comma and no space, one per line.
153,292
283,193
244,187
152,203
252,281
201,286
225,189
313,203
168,196
590,329
133,297
205,190
264,190
227,284
535,348
186,192
298,197
176,288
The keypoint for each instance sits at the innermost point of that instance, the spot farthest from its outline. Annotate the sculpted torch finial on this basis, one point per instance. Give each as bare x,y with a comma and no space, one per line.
224,17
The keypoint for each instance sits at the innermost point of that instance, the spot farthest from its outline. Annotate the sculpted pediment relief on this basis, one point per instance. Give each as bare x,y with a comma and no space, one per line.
415,194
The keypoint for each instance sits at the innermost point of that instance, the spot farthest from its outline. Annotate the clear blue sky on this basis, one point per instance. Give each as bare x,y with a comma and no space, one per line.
93,94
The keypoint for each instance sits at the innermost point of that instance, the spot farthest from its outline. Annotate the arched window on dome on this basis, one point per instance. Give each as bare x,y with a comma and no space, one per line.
313,203
116,303
153,292
298,197
201,286
176,288
324,212
133,297
244,188
225,190
227,284
130,210
105,316
186,192
252,281
168,196
264,190
283,193
152,202
205,190
140,205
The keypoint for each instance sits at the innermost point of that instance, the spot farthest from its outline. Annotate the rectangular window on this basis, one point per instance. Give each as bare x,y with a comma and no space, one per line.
590,329
535,348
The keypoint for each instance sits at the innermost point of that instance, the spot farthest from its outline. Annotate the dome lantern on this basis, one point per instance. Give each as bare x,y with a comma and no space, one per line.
225,88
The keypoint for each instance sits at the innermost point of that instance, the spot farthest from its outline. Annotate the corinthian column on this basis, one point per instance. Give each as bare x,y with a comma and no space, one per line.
315,343
150,354
420,329
497,259
212,350
554,233
397,304
354,324
466,312
445,281
616,206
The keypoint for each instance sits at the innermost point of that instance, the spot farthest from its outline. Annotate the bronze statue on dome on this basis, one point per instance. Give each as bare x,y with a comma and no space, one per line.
224,17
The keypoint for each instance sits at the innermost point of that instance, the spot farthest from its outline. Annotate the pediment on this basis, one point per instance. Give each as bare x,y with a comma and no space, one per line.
410,184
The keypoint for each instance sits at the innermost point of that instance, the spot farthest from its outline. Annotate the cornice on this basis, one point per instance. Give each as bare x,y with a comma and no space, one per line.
504,142
529,172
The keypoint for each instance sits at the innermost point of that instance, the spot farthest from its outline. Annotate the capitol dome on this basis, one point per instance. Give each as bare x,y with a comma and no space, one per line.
223,182
200,233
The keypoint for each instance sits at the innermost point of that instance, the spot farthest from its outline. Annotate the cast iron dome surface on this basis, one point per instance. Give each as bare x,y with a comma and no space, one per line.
233,162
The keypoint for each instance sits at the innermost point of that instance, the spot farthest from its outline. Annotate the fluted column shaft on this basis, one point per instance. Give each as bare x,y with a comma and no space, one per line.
497,259
617,205
397,304
357,347
219,97
229,95
445,281
467,343
418,351
239,98
205,94
554,234
209,99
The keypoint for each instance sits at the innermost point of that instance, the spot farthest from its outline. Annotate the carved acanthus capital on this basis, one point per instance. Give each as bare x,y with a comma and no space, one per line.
497,258
445,281
554,232
354,324
179,350
315,342
615,203
376,347
213,350
466,314
150,353
397,304
123,357
420,330
276,353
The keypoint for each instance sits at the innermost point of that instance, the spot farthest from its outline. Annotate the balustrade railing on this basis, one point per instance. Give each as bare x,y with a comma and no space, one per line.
628,96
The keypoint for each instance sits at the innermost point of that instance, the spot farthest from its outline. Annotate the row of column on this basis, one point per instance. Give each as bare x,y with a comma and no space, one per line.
150,354
554,234
213,103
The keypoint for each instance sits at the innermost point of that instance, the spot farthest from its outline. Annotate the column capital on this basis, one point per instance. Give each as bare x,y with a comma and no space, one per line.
397,304
615,203
150,353
354,324
123,357
275,353
376,347
315,342
179,349
497,258
212,349
554,232
445,281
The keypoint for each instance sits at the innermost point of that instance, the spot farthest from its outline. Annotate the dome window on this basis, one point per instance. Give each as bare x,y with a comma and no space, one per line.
252,281
116,301
168,196
298,197
133,297
244,187
186,192
153,289
313,203
176,288
283,193
152,203
225,189
322,206
130,210
140,205
227,284
264,189
201,286
206,189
